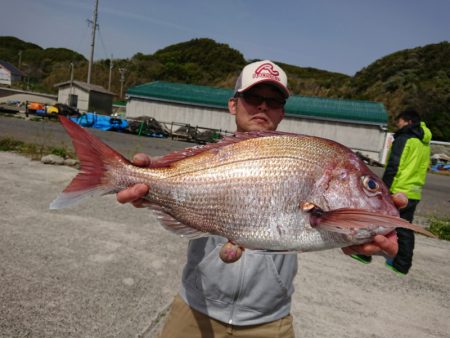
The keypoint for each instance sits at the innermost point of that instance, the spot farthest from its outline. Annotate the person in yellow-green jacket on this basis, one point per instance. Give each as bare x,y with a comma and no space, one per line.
406,171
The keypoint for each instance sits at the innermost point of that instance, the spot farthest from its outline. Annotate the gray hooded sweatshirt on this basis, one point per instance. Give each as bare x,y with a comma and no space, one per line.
254,290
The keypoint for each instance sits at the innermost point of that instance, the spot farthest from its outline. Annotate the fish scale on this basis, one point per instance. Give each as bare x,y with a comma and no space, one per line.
260,179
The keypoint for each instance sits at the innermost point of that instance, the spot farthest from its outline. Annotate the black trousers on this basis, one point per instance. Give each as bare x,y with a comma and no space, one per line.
405,238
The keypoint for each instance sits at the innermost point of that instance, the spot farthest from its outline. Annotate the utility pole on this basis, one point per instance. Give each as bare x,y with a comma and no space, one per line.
110,72
94,28
20,59
70,97
122,79
71,78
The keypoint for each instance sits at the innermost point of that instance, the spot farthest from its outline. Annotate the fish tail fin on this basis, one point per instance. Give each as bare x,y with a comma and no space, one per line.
347,220
96,159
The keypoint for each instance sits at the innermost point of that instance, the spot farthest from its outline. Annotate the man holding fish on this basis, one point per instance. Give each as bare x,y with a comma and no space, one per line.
227,290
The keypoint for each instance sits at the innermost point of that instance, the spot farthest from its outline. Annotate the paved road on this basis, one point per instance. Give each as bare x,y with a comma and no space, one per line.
436,195
51,133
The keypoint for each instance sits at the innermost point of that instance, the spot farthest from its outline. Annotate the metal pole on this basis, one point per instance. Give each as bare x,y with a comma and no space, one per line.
122,79
110,72
20,59
94,28
71,78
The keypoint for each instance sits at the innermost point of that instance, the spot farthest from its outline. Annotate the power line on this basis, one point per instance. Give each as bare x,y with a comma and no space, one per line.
103,43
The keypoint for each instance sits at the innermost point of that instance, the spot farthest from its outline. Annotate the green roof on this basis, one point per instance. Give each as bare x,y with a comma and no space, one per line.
300,106
183,93
337,109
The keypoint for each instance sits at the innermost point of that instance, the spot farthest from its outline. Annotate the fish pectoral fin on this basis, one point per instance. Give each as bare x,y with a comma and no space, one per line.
350,221
175,226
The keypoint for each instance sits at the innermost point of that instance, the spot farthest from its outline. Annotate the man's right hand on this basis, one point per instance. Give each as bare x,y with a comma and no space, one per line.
135,194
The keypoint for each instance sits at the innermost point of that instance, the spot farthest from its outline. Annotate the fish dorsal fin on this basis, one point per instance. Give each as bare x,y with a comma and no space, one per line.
171,224
165,161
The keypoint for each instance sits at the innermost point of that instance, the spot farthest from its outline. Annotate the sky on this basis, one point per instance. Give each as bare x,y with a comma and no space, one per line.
336,35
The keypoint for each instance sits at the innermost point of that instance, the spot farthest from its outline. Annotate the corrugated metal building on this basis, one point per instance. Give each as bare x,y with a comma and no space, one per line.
360,125
85,97
9,73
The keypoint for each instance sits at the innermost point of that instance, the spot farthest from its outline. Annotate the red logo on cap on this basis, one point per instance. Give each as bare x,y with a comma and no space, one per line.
268,67
266,71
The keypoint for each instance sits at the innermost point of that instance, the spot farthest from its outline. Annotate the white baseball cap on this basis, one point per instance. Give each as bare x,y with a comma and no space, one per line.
262,72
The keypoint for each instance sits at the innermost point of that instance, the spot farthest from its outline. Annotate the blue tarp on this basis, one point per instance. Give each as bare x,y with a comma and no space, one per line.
441,167
102,122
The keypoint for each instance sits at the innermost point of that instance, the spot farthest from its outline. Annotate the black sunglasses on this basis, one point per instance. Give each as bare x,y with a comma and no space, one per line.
256,100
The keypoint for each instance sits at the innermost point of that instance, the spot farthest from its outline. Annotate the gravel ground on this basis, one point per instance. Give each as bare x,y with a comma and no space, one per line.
104,269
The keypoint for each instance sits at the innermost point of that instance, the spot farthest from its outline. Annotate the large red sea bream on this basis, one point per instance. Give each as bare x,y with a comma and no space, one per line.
261,190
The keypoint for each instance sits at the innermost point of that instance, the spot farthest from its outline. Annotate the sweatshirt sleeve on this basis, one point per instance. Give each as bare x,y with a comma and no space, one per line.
394,159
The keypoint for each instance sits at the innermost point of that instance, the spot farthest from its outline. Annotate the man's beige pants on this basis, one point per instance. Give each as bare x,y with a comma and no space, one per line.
185,322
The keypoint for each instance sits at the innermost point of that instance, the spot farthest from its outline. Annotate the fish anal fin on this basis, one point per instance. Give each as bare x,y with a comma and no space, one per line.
175,226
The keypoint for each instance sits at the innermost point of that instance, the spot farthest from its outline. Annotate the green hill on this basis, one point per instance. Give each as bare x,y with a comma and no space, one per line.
418,78
198,61
35,61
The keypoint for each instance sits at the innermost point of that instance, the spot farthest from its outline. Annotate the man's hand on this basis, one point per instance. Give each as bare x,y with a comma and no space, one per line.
381,245
230,252
135,193
400,200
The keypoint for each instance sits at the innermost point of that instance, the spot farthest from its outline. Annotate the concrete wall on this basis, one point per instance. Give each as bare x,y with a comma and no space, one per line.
365,138
28,98
83,97
24,95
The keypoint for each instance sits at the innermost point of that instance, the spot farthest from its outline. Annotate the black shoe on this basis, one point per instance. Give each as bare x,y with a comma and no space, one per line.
362,258
390,265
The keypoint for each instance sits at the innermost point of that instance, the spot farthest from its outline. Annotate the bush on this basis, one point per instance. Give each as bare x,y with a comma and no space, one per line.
9,144
33,150
440,227
59,151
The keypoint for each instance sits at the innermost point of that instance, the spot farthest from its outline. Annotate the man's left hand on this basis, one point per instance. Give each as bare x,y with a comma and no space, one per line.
381,245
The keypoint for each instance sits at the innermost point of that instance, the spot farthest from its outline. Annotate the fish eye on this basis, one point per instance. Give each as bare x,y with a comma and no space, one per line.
370,184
